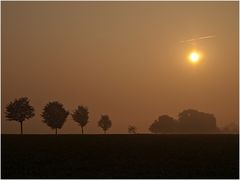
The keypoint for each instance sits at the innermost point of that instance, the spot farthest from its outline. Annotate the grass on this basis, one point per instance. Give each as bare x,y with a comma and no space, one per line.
120,156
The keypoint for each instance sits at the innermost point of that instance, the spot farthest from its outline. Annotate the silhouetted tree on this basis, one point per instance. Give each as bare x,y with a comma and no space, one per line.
54,115
132,130
105,123
19,110
193,121
80,115
164,124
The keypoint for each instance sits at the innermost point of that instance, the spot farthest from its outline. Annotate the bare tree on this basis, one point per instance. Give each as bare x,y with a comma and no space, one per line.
105,123
80,115
54,115
132,130
19,110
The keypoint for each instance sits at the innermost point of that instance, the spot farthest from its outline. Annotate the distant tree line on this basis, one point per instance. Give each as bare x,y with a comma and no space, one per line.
55,115
189,121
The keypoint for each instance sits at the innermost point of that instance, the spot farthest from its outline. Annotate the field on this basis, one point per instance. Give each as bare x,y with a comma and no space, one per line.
120,156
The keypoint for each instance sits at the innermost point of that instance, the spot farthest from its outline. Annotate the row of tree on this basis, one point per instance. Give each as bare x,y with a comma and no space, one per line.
54,114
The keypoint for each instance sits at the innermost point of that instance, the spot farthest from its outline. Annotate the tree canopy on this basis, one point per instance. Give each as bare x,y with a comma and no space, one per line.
164,124
19,110
54,115
81,115
194,121
105,123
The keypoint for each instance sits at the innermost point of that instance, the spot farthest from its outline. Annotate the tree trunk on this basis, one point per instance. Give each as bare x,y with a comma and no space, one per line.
82,130
21,123
56,131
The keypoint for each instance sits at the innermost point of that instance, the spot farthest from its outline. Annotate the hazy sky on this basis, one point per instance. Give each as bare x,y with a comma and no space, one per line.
123,59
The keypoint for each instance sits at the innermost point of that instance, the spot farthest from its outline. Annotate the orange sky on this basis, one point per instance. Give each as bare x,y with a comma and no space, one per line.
119,58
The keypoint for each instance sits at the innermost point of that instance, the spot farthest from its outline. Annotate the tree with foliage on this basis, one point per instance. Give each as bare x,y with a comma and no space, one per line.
193,121
80,115
54,115
132,130
164,124
105,123
19,110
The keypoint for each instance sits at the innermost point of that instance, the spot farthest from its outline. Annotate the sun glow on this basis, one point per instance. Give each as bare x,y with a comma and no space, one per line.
194,57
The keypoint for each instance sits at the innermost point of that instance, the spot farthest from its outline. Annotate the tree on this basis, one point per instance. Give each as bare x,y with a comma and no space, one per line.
105,123
193,121
132,130
54,115
80,115
164,124
19,110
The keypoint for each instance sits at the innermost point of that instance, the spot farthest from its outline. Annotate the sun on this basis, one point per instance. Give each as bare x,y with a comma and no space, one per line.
194,57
